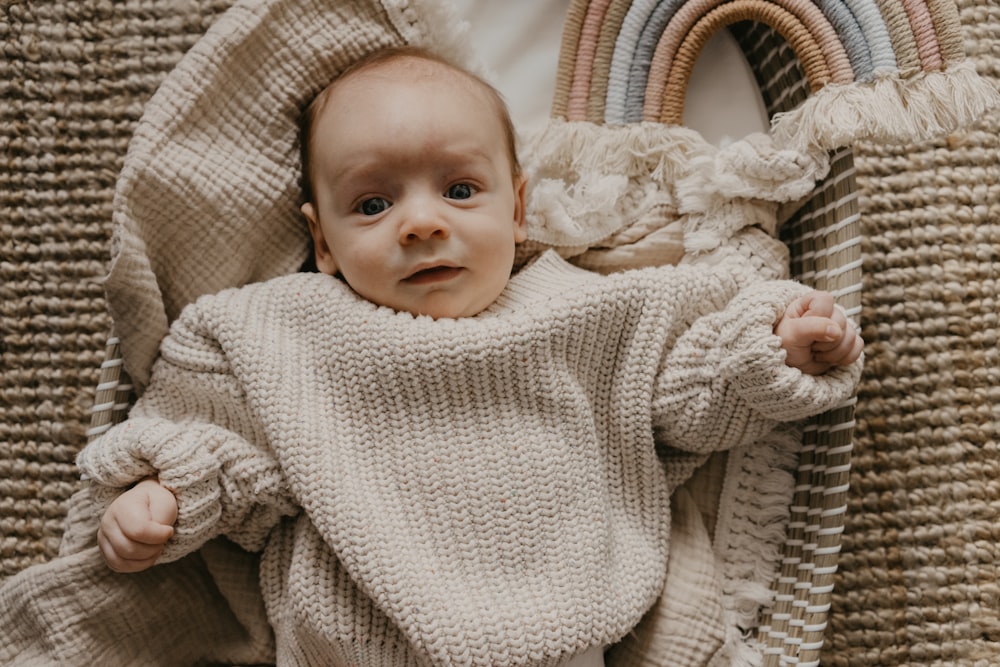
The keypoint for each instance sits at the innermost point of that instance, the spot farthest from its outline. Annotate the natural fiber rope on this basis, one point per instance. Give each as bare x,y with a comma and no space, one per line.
948,26
918,576
573,24
680,26
923,31
590,34
904,44
76,75
597,97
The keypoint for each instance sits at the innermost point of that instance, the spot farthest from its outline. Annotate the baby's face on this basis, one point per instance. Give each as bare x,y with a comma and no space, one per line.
415,205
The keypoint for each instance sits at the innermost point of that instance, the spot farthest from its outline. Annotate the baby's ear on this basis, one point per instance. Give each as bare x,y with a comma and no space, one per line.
325,262
520,218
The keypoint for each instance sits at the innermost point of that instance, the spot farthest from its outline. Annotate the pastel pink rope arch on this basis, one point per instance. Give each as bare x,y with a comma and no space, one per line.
925,32
584,66
818,41
671,38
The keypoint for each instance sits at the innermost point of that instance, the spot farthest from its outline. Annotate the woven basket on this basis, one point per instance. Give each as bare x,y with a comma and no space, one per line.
824,239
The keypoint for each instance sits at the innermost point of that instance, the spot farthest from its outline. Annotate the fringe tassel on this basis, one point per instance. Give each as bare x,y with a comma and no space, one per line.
895,108
563,148
754,511
588,182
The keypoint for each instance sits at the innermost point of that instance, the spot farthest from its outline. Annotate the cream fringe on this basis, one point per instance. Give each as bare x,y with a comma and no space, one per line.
588,181
592,185
895,108
756,500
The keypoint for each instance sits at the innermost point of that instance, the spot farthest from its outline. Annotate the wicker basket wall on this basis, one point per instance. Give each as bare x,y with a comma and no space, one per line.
74,77
918,580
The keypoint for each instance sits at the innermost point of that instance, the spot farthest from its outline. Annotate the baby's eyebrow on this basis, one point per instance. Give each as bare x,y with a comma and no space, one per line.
380,164
473,159
347,170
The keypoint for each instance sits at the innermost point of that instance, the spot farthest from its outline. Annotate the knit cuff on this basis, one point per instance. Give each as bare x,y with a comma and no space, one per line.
141,448
757,367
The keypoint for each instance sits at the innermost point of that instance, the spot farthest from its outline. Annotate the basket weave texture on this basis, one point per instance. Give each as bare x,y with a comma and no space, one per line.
918,579
75,76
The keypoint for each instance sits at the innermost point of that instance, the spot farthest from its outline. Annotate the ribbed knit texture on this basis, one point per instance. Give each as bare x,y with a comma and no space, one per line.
478,491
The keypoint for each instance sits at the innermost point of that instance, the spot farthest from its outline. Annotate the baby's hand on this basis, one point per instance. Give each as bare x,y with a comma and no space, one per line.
136,526
816,335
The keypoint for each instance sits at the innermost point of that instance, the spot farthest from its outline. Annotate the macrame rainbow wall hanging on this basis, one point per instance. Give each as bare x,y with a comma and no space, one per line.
886,70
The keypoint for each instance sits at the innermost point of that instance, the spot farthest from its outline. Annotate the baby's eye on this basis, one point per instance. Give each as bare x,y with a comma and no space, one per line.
373,206
459,191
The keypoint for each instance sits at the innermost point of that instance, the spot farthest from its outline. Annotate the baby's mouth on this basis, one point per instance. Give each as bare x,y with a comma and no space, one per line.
433,274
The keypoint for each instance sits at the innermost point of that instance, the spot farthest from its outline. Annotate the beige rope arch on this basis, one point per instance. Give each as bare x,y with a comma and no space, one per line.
810,36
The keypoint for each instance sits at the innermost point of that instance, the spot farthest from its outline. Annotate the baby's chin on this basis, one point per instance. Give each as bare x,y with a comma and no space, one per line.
445,301
447,312
451,307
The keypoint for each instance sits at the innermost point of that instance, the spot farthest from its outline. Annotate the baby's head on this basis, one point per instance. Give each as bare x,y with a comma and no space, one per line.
414,195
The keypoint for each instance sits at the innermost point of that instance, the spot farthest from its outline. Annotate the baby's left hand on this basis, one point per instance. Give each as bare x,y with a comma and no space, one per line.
816,335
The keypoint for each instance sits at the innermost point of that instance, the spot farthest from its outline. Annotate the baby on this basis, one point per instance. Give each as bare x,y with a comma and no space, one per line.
440,460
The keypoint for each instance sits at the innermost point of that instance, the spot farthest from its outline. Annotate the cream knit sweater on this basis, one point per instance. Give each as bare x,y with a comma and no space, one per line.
483,491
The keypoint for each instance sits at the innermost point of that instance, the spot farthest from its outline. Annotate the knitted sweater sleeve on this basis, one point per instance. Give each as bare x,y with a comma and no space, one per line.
194,429
724,383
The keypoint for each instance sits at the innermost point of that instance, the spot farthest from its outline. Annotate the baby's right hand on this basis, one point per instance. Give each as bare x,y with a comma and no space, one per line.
136,526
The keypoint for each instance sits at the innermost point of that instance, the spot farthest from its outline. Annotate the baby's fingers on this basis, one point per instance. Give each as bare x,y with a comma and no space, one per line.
841,330
162,503
127,557
813,304
124,554
137,524
845,351
122,565
129,538
810,331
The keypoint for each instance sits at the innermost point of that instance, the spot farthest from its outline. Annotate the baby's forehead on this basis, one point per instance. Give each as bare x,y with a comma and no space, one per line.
370,80
409,69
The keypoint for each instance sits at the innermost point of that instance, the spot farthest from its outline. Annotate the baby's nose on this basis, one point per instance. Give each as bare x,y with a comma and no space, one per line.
421,222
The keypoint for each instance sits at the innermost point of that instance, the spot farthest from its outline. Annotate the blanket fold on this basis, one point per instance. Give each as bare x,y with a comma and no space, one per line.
69,612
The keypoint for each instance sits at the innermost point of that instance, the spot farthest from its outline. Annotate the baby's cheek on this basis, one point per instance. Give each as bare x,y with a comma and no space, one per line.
364,255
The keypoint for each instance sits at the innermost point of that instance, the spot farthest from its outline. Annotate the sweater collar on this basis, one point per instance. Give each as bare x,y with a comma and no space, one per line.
540,280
